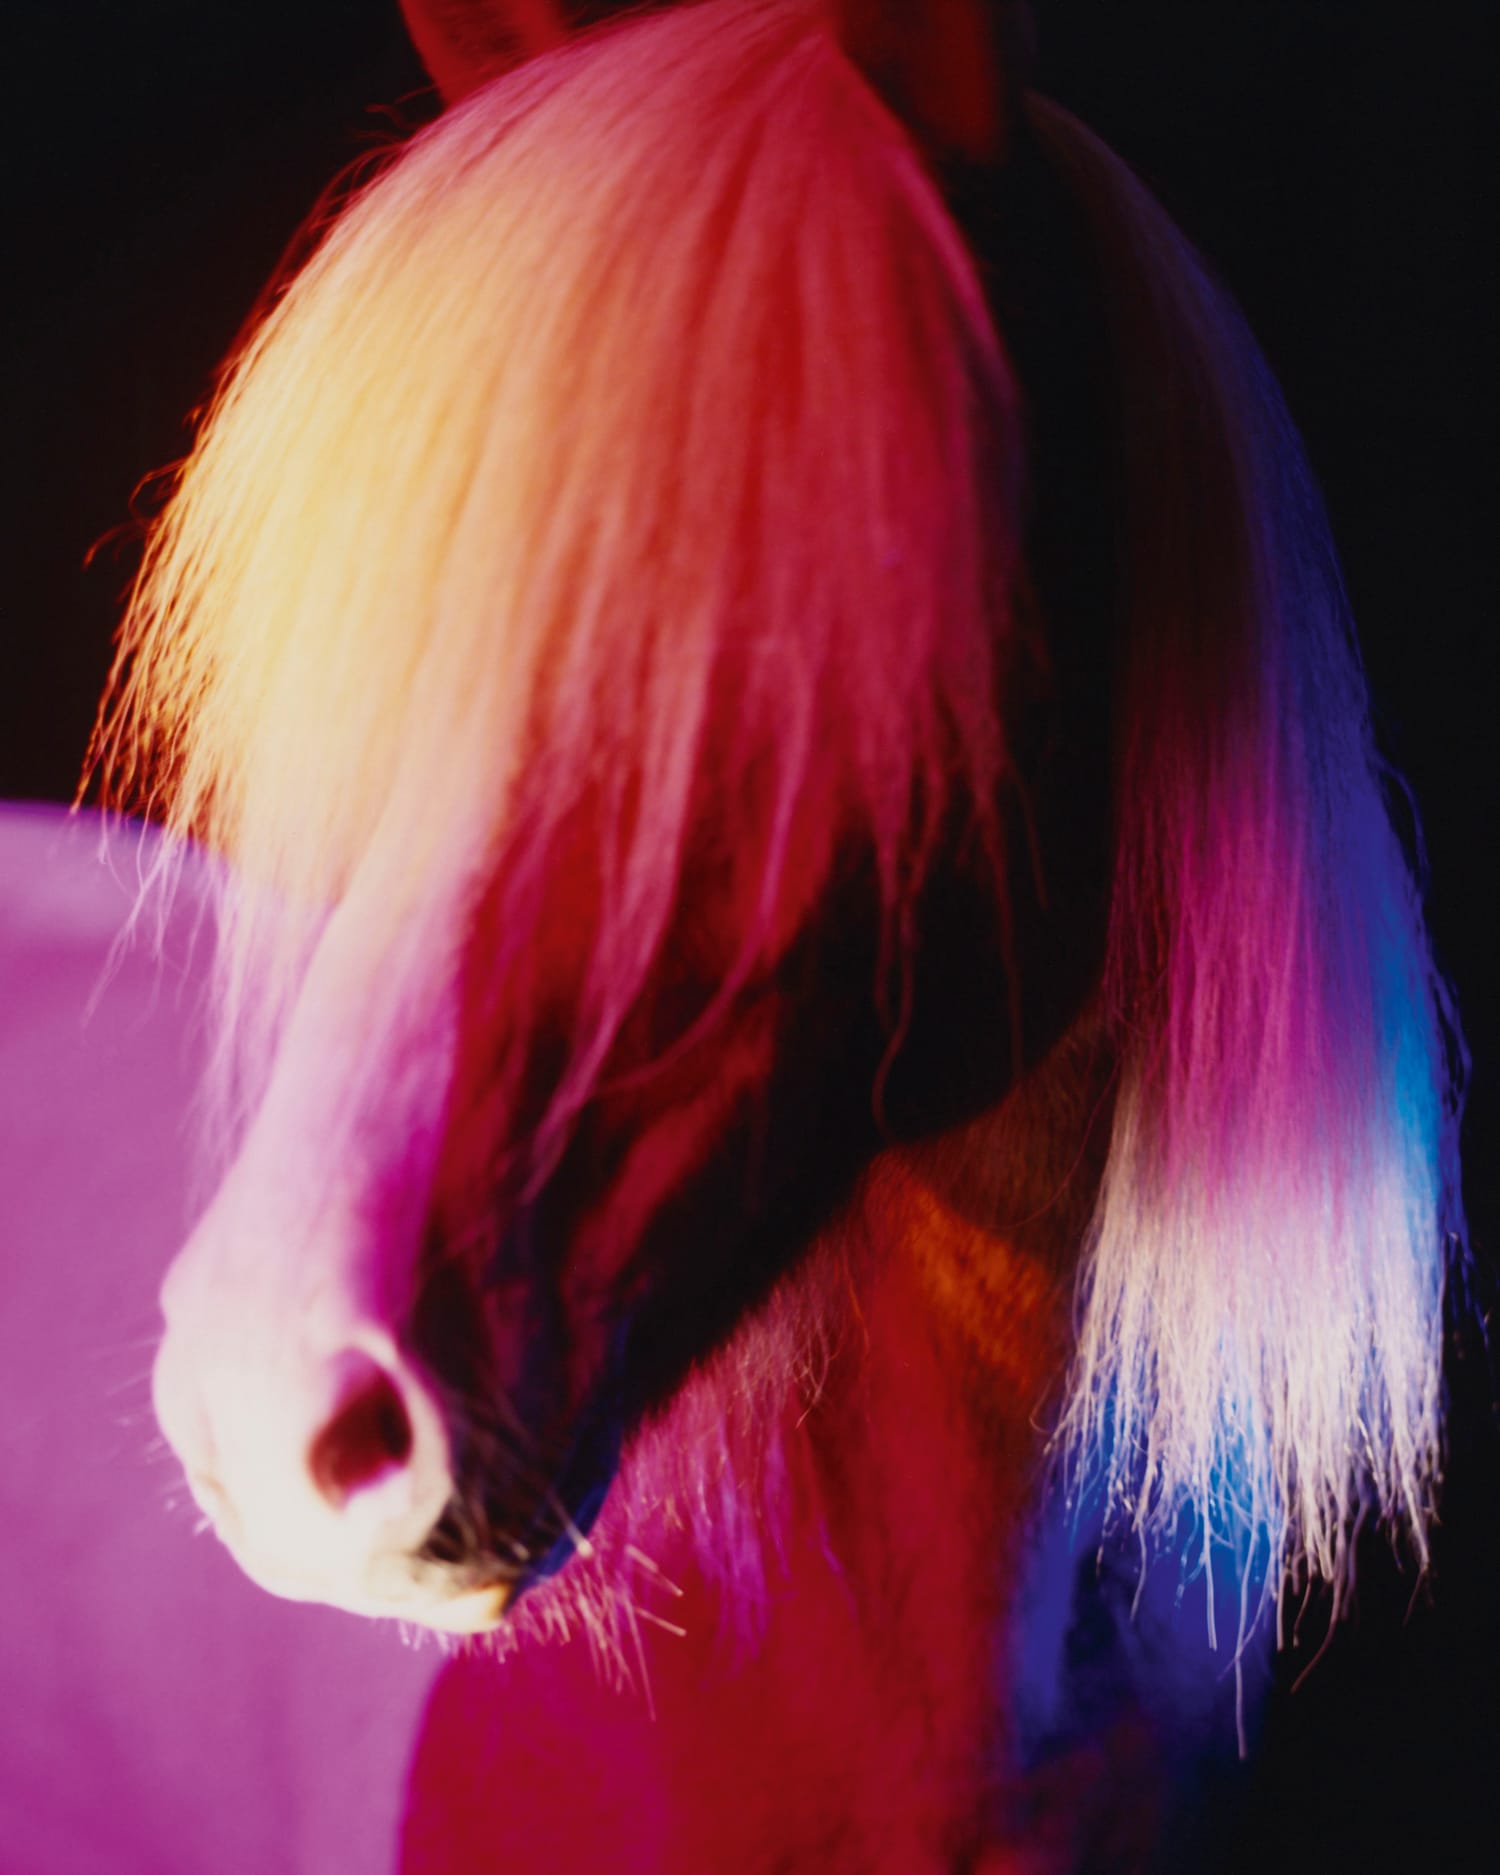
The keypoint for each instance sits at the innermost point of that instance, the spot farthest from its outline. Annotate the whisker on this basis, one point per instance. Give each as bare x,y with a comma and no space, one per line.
631,1613
649,1563
658,1621
582,1546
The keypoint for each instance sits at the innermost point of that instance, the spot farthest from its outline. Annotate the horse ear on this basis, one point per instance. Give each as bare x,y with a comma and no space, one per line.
465,42
952,70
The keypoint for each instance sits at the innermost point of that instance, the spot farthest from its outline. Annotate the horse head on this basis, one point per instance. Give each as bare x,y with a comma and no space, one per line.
749,609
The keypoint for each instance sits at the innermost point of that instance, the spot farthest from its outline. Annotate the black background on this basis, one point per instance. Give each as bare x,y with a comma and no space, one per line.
1331,158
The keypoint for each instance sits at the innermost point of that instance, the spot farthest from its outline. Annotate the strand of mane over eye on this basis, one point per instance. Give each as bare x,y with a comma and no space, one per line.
470,527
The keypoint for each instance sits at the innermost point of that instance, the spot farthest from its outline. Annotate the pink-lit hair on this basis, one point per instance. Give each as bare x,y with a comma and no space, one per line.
1261,1324
643,421
655,379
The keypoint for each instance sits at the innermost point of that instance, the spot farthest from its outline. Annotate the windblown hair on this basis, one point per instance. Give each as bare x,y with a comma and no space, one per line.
632,452
638,447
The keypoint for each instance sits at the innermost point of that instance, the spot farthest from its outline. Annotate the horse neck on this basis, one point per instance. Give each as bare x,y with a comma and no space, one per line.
933,1319
1089,1694
918,1470
924,1456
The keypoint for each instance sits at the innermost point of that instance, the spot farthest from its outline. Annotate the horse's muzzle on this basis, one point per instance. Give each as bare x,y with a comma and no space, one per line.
326,1473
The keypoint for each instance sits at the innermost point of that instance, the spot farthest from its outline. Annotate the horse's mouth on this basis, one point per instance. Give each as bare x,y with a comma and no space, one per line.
475,1611
389,1585
488,1554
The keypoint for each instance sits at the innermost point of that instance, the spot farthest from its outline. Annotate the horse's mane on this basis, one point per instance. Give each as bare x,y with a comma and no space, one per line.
1261,1325
631,450
639,445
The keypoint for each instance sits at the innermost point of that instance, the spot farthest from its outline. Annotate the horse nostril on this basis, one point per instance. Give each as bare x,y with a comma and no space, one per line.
369,1434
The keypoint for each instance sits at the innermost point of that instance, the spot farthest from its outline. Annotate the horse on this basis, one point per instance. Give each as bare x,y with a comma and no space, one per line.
828,1081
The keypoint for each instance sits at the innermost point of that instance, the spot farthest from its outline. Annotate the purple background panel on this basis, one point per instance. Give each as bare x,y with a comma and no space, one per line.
157,1713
